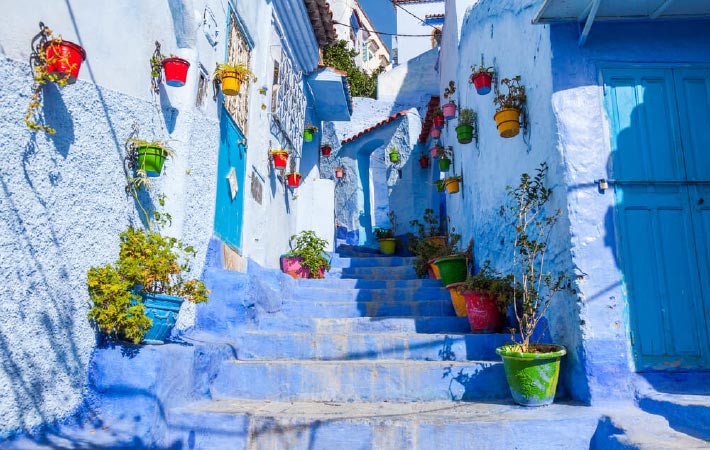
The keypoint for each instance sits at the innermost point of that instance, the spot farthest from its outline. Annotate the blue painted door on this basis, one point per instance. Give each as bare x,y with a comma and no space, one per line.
660,123
229,209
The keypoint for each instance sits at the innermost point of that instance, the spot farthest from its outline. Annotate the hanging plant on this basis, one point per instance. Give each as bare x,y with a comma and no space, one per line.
309,131
339,172
293,178
149,156
423,161
464,131
232,76
279,157
509,106
394,155
449,109
481,78
53,60
326,150
438,118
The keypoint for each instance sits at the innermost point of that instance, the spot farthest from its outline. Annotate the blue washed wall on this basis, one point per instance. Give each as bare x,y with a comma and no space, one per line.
585,145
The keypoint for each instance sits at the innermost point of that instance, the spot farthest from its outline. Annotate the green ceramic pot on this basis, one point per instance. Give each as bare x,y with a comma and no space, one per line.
532,377
394,157
151,160
307,135
387,245
464,134
444,164
452,269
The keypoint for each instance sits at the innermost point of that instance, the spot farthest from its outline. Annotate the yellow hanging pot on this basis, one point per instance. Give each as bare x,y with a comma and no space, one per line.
508,122
452,185
231,83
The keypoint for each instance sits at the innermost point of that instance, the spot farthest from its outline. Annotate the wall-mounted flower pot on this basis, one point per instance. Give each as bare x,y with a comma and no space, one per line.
438,122
326,150
452,185
293,179
452,268
457,299
532,377
175,71
231,83
449,110
464,134
424,162
339,173
163,311
280,159
434,151
508,122
151,160
444,164
394,157
440,185
482,82
435,133
65,58
307,135
387,245
483,313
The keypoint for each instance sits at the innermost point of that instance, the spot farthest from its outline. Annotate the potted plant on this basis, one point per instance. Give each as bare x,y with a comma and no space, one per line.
423,161
309,131
150,155
464,131
427,244
175,69
438,118
487,295
52,60
138,297
449,109
293,178
307,258
394,154
444,155
231,77
452,184
481,78
435,133
436,150
385,236
532,369
452,265
440,185
339,172
509,106
326,150
279,157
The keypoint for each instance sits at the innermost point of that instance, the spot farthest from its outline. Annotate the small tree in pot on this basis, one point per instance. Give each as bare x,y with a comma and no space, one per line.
309,251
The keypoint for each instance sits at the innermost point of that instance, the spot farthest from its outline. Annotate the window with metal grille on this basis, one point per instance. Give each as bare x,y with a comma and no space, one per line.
238,51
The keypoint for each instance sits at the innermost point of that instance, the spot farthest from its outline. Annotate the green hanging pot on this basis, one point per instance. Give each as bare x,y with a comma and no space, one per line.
444,164
453,269
151,159
394,157
464,134
307,135
532,377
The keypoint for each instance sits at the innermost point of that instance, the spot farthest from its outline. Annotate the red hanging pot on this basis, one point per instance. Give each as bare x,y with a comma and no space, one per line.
293,179
326,150
435,133
175,71
438,122
449,110
482,82
280,159
483,313
339,173
424,162
65,58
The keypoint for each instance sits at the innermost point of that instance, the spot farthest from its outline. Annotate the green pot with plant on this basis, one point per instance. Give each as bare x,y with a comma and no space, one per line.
464,131
307,258
509,106
309,131
394,155
532,369
151,155
426,243
232,76
487,295
453,267
385,236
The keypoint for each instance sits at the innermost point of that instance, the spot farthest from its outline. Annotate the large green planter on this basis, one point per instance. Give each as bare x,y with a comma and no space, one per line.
532,377
151,160
452,269
444,164
387,245
464,134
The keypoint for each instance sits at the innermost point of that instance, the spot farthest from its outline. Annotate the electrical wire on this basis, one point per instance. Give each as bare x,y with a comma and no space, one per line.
397,5
382,32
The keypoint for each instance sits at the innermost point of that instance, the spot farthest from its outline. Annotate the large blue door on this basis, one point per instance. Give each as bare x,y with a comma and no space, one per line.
660,123
230,183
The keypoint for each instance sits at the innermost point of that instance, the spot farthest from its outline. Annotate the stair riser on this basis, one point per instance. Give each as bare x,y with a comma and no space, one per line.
318,381
345,283
367,309
384,273
366,325
370,295
370,347
390,261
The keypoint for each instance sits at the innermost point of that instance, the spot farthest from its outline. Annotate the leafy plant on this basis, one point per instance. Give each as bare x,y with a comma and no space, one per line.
535,287
515,98
393,151
307,246
489,280
449,92
310,127
341,57
466,117
383,233
444,152
239,70
437,112
480,68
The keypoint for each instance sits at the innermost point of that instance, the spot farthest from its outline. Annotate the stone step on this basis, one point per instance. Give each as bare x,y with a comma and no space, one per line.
334,309
350,283
425,325
245,424
427,347
371,261
374,273
369,295
381,380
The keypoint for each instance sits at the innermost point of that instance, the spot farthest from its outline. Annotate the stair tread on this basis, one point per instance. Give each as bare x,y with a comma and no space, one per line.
389,335
363,362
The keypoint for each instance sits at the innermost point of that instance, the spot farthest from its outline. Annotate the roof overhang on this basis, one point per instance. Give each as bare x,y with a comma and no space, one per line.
331,93
589,11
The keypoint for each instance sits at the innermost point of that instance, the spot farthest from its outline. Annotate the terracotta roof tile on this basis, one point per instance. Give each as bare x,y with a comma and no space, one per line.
321,17
426,125
379,124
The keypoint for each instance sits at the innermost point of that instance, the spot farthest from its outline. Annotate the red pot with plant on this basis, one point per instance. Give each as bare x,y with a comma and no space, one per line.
280,158
326,150
481,78
483,313
175,71
438,121
65,58
293,179
435,133
424,162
